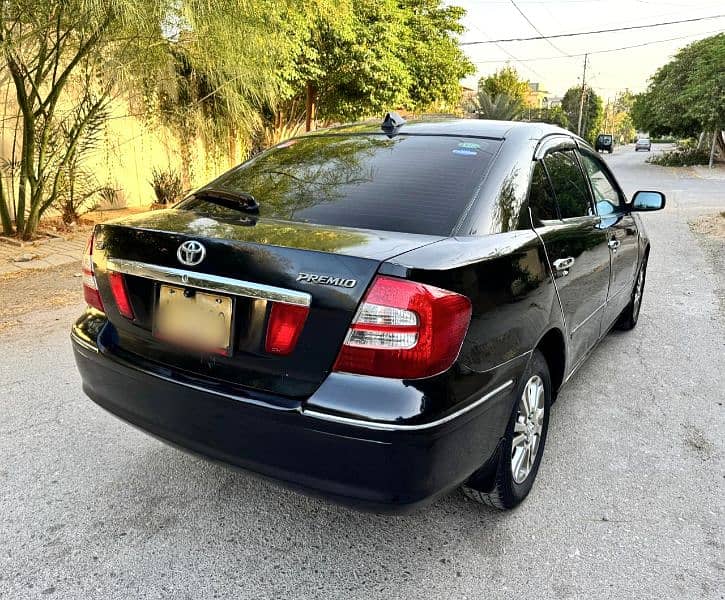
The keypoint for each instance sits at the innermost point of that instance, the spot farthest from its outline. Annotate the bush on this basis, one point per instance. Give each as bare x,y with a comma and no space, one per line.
167,185
666,139
683,156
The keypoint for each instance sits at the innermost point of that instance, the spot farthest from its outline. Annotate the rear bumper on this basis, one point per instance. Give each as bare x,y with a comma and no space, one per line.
384,469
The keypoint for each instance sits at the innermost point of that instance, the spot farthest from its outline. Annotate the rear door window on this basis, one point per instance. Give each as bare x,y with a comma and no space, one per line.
541,196
413,184
570,187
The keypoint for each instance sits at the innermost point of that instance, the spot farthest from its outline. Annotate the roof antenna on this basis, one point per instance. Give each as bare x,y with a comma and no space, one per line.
391,122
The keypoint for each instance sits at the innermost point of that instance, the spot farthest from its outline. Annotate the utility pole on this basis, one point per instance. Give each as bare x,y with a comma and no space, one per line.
581,97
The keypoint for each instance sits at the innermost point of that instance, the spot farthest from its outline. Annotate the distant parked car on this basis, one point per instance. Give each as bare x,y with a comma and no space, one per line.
604,143
643,144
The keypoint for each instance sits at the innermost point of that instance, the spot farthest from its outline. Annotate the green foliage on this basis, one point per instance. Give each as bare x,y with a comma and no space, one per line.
504,81
592,115
643,115
167,185
554,115
432,54
500,108
50,46
684,156
226,67
225,71
618,118
376,55
75,193
687,95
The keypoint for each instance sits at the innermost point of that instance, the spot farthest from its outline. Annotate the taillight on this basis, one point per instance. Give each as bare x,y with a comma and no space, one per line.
285,325
120,294
90,287
405,330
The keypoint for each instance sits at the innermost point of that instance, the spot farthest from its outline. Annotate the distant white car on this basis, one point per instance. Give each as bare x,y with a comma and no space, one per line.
643,144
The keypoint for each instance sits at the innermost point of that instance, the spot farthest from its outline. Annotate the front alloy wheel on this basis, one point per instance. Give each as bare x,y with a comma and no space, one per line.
630,315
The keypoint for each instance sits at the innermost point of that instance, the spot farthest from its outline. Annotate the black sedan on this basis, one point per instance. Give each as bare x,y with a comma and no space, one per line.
378,314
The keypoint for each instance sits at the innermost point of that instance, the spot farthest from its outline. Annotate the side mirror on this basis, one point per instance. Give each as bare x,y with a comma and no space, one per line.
646,201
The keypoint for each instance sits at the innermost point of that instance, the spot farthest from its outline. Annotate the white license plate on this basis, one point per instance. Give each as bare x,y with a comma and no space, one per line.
194,319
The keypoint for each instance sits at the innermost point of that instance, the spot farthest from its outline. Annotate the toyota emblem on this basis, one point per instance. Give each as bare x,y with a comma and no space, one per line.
191,253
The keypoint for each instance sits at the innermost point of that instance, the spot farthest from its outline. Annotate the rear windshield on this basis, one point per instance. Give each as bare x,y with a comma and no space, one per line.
412,184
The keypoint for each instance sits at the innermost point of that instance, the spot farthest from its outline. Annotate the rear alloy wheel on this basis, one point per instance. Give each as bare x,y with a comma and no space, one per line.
630,315
523,444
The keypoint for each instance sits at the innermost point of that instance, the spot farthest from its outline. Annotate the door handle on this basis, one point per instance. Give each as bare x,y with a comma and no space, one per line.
614,244
562,265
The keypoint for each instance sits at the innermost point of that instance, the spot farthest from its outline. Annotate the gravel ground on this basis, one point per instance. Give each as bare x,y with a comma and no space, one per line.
628,503
24,292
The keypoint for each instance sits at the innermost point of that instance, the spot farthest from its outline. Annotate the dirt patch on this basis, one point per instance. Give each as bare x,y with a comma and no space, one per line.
710,232
712,225
696,440
27,291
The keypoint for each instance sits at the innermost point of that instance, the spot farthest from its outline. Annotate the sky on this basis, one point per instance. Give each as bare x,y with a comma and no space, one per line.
607,72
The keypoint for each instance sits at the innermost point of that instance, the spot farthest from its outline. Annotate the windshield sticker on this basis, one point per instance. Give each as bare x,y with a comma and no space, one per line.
464,152
469,145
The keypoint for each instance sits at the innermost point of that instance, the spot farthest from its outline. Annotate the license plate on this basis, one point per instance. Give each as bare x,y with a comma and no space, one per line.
194,319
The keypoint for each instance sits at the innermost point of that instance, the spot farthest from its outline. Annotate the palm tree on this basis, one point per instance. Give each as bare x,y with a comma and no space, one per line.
502,107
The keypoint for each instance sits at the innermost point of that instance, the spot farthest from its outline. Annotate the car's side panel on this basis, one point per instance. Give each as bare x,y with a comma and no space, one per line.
621,231
583,286
514,303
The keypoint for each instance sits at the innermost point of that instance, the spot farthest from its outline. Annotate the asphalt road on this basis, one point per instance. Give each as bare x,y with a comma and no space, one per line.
628,503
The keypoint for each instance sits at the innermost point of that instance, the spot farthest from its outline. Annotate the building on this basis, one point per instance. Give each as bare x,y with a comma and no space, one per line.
536,96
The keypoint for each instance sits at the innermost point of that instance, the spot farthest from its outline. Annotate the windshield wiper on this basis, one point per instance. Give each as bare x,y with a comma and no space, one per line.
239,200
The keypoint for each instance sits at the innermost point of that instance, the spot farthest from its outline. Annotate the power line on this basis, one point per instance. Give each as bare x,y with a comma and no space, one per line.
580,33
536,29
511,55
590,52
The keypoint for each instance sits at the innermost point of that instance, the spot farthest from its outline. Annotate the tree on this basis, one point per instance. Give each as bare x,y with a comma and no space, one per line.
225,71
48,46
221,71
592,113
354,67
618,117
375,55
554,115
687,95
505,81
432,54
500,108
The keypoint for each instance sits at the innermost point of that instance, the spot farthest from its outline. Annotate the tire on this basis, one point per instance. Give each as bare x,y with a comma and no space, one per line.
630,315
505,491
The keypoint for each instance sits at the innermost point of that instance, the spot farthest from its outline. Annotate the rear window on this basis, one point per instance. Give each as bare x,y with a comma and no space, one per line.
413,184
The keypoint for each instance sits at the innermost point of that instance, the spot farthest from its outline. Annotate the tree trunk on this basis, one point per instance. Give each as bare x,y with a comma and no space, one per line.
31,223
720,145
715,135
23,180
701,140
5,220
310,106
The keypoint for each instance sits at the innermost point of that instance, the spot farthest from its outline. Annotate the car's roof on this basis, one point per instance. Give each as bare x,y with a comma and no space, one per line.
453,126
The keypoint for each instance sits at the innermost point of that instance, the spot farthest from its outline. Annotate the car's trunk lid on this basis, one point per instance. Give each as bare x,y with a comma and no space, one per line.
331,266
